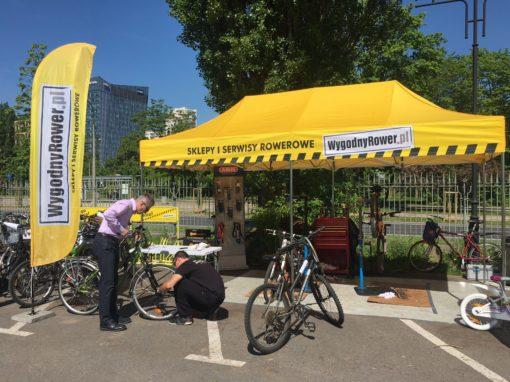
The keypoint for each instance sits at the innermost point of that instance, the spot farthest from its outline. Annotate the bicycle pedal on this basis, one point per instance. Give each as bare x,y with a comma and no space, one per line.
310,326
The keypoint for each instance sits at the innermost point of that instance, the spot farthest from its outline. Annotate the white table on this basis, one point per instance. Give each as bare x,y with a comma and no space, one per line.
209,254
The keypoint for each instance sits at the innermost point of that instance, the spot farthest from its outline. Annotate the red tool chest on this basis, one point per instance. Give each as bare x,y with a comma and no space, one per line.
332,244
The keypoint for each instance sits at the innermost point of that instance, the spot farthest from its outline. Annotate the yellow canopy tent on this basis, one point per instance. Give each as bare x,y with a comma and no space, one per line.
367,125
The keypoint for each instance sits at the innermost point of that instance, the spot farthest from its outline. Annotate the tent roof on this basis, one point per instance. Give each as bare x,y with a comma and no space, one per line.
366,125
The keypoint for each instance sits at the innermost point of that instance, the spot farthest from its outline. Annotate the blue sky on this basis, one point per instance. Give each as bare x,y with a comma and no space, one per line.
137,42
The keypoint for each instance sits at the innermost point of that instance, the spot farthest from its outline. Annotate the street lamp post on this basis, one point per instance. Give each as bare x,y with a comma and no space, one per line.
93,162
474,20
93,128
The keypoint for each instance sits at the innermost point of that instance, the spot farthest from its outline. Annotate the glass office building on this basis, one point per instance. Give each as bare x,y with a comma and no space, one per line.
111,107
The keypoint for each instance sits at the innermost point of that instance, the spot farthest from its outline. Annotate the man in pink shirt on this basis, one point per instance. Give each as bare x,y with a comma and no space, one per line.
113,228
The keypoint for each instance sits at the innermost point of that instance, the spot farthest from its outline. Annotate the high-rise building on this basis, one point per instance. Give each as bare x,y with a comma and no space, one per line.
112,107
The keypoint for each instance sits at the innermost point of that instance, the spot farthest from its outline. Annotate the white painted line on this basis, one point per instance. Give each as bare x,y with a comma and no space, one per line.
215,354
214,340
218,361
15,330
489,374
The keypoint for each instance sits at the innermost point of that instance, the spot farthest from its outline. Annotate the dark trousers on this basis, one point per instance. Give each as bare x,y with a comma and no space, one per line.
191,297
106,250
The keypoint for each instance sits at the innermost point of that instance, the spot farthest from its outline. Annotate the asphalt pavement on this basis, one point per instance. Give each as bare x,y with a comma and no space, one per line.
71,348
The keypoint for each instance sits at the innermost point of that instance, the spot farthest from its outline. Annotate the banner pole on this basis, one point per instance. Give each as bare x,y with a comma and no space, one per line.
32,310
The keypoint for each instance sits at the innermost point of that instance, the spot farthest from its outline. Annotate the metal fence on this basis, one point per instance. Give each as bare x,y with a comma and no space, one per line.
418,196
445,196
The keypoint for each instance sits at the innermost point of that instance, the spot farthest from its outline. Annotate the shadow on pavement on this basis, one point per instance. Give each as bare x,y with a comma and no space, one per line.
502,333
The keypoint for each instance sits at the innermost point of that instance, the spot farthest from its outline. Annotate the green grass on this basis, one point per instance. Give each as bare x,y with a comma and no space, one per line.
397,261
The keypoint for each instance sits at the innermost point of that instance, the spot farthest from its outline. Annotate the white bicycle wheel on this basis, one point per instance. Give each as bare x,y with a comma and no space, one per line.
476,321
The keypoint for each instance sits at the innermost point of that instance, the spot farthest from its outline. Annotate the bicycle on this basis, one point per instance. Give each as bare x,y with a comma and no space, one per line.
284,262
15,244
482,312
275,326
78,284
44,278
427,256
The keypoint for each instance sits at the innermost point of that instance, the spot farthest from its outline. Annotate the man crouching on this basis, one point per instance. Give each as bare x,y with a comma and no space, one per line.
197,287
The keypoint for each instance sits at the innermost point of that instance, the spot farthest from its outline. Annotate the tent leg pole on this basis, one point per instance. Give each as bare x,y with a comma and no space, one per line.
361,280
291,202
484,218
504,259
140,192
333,189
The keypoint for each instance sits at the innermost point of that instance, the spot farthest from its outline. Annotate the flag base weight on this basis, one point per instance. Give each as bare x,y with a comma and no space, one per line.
29,318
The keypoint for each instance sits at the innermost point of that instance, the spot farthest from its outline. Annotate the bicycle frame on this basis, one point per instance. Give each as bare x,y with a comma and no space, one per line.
309,265
470,243
498,307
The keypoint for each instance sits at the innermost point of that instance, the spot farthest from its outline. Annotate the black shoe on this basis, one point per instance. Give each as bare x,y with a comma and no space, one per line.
112,326
123,320
179,320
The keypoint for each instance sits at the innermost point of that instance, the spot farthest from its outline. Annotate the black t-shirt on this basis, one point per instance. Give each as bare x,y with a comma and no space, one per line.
203,274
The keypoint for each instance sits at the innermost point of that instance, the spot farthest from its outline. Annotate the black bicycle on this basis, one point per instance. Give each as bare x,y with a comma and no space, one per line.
268,314
78,284
43,279
14,243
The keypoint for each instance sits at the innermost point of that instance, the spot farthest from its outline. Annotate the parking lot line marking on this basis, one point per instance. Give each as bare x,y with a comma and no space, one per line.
218,361
489,374
15,330
215,354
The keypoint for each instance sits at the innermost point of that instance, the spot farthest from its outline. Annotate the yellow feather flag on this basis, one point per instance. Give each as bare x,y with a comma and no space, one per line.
57,138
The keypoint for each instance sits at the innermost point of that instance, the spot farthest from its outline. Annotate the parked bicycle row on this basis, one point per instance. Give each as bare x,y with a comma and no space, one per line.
15,270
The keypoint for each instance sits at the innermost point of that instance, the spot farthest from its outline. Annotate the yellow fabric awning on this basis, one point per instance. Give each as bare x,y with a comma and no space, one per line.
367,125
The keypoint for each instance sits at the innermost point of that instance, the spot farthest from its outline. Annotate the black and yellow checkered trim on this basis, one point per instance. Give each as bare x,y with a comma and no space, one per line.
470,149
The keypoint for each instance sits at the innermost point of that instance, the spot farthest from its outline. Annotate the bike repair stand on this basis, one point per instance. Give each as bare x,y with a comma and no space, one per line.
361,289
34,315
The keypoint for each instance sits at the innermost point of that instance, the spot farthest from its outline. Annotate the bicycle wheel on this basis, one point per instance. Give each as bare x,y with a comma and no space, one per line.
19,284
267,325
78,287
491,253
425,257
327,299
477,321
150,304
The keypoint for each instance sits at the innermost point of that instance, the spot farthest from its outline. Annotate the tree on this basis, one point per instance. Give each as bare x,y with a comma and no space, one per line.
154,118
7,118
126,161
26,76
259,46
452,87
17,163
181,120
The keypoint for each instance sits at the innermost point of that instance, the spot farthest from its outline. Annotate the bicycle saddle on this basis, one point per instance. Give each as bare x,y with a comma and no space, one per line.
498,278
